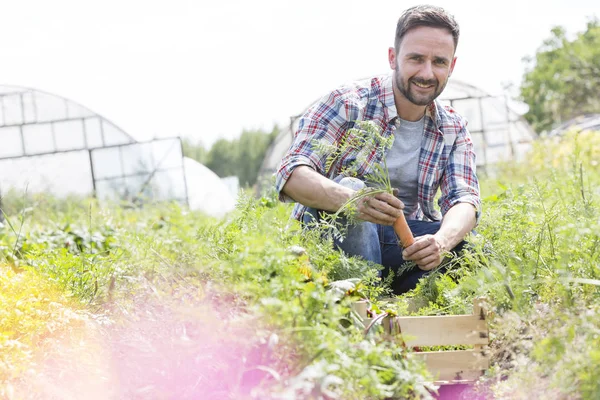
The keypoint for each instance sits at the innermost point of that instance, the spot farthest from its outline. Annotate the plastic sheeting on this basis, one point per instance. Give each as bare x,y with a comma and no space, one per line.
206,191
70,173
147,171
583,123
34,122
49,144
60,174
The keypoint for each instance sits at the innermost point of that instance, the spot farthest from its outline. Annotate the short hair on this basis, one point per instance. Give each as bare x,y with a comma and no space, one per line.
426,15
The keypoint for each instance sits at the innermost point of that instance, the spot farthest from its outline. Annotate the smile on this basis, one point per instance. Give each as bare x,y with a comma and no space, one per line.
421,85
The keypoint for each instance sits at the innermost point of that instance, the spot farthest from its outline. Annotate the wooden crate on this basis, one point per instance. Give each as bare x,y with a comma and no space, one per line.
448,367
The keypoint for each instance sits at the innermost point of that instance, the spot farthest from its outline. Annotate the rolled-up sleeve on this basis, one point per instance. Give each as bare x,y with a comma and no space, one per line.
459,182
301,152
321,123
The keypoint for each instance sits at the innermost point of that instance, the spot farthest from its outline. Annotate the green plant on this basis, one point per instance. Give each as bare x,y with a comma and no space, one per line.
166,287
364,141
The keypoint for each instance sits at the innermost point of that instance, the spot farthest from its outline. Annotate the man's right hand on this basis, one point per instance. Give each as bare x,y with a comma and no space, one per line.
382,208
308,187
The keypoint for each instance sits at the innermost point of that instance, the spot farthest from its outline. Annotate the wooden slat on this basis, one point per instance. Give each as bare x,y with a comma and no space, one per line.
447,367
460,365
361,307
479,309
440,330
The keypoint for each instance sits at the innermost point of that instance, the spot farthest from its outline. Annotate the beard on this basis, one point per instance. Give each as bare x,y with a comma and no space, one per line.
414,97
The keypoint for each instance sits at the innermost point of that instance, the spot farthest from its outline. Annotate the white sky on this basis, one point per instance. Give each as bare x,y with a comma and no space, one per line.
208,69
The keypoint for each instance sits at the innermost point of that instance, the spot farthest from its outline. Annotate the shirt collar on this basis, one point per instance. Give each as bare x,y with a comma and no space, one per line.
387,98
433,112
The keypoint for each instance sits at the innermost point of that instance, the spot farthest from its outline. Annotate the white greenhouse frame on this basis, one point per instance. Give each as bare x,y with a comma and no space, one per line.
52,144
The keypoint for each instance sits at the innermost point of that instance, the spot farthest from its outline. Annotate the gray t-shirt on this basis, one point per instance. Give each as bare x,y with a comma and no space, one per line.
403,162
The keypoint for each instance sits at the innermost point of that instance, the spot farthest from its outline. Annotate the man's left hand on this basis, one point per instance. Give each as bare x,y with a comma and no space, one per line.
427,252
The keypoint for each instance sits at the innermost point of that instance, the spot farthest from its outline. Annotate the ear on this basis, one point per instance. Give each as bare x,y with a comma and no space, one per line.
392,58
452,64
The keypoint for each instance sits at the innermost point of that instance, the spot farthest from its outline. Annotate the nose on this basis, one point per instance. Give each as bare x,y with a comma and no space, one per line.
427,71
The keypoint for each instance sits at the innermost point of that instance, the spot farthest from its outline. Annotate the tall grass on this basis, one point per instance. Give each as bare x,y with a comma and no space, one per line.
540,269
249,295
135,267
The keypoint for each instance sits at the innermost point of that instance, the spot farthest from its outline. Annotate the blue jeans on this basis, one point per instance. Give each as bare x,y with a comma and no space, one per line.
379,244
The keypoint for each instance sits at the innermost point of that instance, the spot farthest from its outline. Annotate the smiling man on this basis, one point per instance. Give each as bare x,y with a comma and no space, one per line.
432,151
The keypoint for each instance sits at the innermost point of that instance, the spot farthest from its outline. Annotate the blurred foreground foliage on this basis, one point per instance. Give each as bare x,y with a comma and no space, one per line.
250,295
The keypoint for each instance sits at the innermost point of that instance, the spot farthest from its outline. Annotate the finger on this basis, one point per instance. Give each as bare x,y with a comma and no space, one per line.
430,259
422,254
378,210
419,244
424,245
368,218
425,267
430,265
377,216
367,213
391,200
385,208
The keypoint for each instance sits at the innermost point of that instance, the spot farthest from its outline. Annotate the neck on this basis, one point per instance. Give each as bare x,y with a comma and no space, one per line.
406,110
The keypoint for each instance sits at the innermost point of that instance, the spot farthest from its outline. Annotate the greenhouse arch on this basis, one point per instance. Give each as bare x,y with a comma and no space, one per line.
498,130
54,145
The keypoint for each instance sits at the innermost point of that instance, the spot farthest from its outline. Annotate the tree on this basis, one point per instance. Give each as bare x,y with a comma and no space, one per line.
564,81
222,158
241,157
195,151
252,147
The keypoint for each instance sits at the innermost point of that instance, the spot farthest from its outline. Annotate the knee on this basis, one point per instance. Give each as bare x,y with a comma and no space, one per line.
351,183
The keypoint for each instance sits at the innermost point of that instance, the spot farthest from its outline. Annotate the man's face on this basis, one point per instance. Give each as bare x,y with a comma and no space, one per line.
424,63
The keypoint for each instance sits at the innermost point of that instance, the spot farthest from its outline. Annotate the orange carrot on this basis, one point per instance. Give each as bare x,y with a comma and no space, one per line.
403,231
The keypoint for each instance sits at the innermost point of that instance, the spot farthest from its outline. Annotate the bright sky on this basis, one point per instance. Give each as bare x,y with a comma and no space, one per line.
208,69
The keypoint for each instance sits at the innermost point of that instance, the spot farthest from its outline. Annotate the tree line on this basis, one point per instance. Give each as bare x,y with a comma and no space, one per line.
561,81
239,157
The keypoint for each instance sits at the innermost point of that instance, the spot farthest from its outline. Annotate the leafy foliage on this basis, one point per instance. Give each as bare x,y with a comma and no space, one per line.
303,342
540,270
564,79
362,141
241,157
254,306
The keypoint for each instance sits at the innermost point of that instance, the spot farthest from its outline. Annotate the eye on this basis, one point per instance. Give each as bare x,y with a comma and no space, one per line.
440,61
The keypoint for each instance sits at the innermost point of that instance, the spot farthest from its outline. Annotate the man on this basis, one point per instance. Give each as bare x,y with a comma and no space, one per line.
432,150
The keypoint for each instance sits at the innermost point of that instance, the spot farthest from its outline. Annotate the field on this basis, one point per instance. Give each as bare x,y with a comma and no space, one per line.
120,302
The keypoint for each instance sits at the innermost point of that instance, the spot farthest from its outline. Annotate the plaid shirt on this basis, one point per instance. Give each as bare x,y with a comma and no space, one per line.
446,160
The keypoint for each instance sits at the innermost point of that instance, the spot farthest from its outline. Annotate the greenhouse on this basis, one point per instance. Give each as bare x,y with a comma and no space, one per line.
54,145
498,130
582,123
